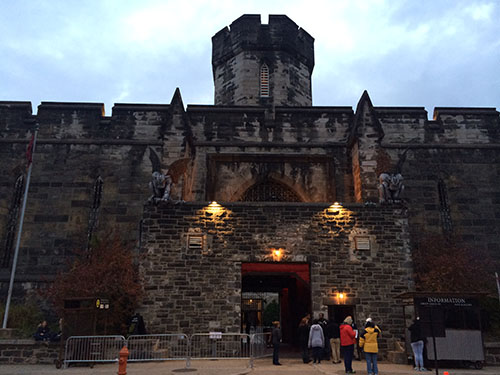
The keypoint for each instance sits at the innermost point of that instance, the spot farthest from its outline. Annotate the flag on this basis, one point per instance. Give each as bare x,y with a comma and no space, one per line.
29,151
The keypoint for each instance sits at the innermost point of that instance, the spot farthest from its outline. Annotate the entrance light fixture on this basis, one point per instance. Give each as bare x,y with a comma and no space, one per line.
277,254
341,298
334,208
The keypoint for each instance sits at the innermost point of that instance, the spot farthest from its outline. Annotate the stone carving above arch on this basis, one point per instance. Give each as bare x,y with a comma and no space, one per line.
310,178
269,190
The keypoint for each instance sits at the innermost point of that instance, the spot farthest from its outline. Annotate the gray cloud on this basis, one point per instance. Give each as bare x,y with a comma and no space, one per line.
405,53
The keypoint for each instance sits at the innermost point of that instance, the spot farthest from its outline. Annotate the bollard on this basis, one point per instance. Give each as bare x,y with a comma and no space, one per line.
122,363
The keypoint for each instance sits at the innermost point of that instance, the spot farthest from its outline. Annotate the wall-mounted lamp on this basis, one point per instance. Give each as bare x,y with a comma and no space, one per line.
334,208
277,254
341,297
214,208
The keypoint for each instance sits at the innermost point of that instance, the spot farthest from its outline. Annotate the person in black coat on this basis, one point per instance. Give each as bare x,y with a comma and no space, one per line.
417,339
332,332
43,332
276,340
303,332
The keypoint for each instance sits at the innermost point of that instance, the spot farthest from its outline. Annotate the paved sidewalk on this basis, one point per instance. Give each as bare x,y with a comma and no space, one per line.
231,367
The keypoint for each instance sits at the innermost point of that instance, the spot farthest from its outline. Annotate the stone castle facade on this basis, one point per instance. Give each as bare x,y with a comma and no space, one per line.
283,175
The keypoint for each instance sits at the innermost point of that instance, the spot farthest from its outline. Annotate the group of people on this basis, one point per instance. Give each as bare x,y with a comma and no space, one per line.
327,339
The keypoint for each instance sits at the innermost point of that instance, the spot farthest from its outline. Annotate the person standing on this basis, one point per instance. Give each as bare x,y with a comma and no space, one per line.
368,342
332,332
325,352
347,341
316,341
276,340
417,339
304,339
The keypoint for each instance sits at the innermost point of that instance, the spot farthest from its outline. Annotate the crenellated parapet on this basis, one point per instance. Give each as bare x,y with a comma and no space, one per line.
259,64
247,33
15,119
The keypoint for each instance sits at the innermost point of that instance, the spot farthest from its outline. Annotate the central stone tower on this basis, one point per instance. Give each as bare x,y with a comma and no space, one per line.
256,64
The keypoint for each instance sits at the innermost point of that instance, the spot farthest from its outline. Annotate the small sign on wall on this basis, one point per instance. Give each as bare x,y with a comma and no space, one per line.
195,242
215,335
362,243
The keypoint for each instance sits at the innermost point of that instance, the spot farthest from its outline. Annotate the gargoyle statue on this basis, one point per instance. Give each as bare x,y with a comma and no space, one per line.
161,183
390,188
161,186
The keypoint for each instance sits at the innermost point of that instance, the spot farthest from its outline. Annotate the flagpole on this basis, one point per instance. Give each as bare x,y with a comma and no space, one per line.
498,285
19,232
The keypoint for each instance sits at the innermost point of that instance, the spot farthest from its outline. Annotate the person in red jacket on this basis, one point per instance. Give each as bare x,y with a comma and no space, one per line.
347,341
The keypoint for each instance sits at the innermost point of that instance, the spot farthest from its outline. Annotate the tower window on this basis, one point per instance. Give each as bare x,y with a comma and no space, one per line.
264,81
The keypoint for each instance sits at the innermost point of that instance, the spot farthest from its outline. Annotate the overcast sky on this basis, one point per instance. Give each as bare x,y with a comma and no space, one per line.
426,53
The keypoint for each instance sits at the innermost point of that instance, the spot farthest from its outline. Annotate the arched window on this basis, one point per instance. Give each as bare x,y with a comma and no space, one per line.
264,81
269,191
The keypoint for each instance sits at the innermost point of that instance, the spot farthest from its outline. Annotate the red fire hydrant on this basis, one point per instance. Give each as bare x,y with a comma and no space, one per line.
122,363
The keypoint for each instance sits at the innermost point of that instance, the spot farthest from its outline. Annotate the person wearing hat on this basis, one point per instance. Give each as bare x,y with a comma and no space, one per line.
347,341
368,342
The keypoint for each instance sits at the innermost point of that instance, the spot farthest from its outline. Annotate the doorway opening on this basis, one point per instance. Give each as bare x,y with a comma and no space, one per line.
275,291
338,313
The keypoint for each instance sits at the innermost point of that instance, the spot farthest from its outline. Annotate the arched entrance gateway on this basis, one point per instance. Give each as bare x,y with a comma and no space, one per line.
275,291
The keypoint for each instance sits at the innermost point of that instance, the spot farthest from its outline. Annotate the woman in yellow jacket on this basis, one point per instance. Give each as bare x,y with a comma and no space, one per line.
368,341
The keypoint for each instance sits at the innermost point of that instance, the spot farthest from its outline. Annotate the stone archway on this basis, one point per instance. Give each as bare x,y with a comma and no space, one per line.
270,189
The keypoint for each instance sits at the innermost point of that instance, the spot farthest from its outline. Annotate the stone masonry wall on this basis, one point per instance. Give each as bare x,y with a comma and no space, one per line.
302,148
75,145
200,290
24,352
451,170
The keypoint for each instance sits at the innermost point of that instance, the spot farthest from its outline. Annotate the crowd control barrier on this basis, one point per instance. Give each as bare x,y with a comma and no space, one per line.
93,349
165,347
260,346
162,347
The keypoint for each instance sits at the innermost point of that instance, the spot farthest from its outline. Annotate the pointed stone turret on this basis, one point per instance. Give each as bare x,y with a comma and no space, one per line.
365,139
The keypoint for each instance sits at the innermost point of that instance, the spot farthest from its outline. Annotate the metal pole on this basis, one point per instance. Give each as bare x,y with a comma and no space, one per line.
434,343
19,233
498,285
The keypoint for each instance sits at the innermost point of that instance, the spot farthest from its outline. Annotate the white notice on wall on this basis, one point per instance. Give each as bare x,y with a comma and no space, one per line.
215,335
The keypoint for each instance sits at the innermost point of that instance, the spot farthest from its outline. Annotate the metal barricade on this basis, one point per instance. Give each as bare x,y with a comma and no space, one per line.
93,349
260,346
161,347
217,345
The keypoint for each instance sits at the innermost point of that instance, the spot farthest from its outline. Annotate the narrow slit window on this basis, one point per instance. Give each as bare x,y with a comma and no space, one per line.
264,81
94,210
444,207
